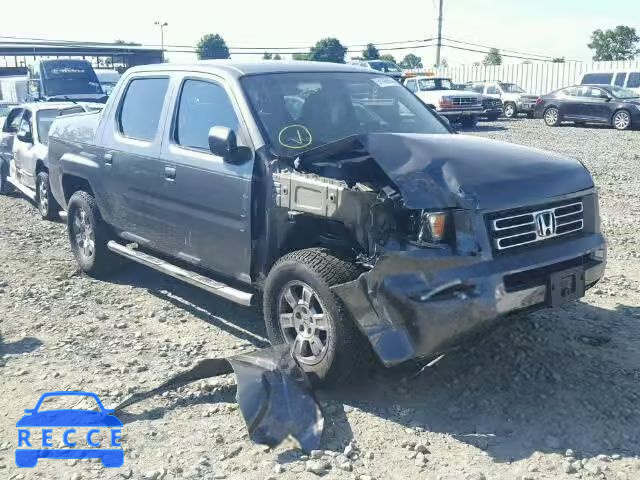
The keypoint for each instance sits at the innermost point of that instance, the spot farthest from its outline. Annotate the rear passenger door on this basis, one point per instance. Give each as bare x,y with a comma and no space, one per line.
208,201
133,173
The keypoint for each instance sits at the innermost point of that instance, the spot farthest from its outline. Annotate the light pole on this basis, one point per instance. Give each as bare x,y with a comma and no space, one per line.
161,25
439,44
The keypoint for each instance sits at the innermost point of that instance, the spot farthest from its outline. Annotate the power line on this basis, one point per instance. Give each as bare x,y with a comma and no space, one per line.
501,49
501,54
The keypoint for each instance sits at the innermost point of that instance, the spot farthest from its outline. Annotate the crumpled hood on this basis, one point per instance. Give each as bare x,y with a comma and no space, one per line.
448,171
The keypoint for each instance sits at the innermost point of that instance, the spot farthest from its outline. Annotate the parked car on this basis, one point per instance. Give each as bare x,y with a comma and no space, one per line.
616,106
625,79
491,108
5,107
439,94
108,79
384,66
23,151
515,100
381,232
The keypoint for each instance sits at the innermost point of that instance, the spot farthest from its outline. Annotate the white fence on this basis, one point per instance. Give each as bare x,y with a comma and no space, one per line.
536,78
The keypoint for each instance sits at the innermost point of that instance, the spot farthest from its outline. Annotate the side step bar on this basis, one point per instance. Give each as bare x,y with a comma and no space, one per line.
25,190
192,278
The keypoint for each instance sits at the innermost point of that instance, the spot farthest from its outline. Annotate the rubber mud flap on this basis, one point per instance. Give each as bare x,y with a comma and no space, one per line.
274,395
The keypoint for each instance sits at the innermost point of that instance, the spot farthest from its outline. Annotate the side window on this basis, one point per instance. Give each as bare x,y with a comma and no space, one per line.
12,123
411,85
141,107
619,80
202,105
634,80
492,90
597,78
25,123
478,88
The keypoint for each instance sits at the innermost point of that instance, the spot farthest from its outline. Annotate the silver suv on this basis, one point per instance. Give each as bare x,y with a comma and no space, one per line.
515,99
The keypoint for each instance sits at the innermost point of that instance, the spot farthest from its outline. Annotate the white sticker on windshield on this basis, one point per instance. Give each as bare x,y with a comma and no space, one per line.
385,82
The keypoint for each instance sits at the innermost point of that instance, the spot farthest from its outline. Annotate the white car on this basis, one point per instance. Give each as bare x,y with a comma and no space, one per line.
440,94
621,78
515,100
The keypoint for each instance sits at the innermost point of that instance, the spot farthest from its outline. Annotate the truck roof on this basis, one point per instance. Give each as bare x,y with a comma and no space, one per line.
241,68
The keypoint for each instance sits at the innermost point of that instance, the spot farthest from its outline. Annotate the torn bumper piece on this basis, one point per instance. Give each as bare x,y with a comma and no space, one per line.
418,304
273,392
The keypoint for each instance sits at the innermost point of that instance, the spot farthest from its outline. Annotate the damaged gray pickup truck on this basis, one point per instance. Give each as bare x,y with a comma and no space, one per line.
365,223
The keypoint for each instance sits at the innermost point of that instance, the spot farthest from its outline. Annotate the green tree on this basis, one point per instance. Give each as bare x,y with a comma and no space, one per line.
388,58
444,63
617,44
493,57
558,60
411,61
124,42
267,56
370,52
300,56
328,50
212,46
277,57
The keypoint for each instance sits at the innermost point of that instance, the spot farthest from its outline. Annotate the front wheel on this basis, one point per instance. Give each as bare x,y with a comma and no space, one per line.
510,110
301,310
88,236
47,205
5,187
621,120
552,117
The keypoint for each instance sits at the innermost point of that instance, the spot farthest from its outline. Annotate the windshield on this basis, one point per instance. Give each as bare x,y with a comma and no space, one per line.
426,84
300,111
511,88
69,78
46,117
384,66
620,92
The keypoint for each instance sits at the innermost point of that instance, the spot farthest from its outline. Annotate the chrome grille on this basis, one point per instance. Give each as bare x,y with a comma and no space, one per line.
536,224
463,101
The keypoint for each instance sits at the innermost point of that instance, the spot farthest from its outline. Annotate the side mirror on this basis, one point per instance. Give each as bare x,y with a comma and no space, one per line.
25,136
222,141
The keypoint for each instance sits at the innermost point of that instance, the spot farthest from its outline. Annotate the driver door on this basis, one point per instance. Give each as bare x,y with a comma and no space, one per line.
9,130
23,151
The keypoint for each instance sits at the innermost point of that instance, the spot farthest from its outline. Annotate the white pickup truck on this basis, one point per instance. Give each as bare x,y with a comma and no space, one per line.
439,93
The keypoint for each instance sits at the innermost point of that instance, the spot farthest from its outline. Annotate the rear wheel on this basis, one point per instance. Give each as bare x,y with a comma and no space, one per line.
552,117
88,236
510,110
301,310
621,120
47,205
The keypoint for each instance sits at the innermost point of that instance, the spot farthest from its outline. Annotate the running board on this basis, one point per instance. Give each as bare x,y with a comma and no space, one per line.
192,278
25,190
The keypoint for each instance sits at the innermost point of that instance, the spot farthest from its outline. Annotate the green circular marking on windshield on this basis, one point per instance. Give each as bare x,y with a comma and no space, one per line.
295,136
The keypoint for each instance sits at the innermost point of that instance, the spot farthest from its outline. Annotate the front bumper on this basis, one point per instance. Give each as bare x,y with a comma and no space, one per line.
416,304
492,111
460,112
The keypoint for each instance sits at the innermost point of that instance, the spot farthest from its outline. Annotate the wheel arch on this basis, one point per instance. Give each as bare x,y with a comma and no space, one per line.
73,183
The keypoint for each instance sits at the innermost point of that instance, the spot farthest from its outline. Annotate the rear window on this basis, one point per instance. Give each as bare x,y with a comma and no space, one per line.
619,81
597,78
142,106
634,80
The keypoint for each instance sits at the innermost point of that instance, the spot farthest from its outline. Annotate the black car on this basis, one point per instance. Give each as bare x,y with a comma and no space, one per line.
616,106
492,108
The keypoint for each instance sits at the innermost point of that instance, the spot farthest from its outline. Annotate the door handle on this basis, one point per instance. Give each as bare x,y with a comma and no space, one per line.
108,159
169,174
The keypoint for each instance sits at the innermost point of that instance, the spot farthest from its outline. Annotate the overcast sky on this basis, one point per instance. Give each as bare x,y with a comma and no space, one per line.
547,27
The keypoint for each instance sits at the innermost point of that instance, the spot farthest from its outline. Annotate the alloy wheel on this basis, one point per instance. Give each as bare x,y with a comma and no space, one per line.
303,322
43,198
83,234
621,120
551,116
509,111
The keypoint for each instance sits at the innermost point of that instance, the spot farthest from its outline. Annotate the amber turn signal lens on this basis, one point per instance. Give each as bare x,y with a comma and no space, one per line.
437,226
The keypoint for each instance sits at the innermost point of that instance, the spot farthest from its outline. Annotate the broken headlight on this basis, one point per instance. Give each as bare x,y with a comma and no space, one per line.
429,228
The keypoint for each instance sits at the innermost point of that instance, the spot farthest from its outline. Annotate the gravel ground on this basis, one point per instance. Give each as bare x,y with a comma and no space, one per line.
553,395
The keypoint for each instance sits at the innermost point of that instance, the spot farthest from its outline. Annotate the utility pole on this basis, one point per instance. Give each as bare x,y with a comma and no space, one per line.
439,45
161,25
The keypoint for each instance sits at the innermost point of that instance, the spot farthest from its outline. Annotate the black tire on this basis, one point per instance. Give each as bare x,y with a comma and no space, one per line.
621,120
47,205
344,350
94,261
510,110
5,187
469,122
551,117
